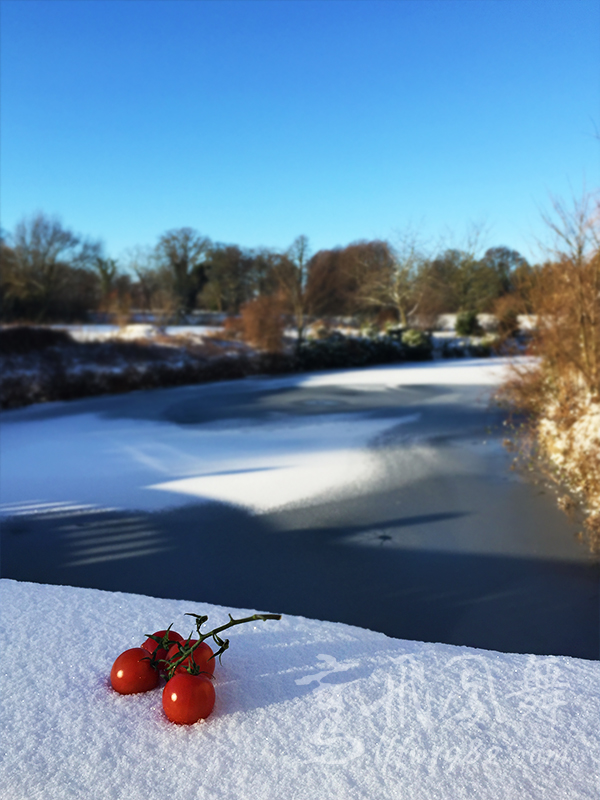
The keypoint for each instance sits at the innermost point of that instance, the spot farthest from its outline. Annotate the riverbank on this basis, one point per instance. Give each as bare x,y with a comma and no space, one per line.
42,364
572,445
559,434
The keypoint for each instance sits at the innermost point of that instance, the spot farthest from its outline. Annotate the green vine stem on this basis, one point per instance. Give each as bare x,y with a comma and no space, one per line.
186,650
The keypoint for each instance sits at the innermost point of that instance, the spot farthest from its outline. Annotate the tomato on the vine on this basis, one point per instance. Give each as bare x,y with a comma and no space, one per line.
151,645
201,656
188,698
132,672
189,695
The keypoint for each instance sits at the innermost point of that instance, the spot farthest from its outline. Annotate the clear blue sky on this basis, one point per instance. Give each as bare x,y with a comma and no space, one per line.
254,122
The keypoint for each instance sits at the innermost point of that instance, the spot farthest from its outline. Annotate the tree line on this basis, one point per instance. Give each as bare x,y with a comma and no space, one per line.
51,274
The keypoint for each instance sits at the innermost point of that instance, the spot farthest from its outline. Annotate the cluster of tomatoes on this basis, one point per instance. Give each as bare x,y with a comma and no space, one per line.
187,664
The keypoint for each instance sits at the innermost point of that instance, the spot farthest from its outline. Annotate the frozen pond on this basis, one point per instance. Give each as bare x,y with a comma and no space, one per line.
381,498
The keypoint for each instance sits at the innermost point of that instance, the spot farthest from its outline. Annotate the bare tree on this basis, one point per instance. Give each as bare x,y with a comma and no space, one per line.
154,288
181,252
575,228
107,271
229,271
292,276
390,277
328,290
566,293
263,323
561,394
505,265
44,252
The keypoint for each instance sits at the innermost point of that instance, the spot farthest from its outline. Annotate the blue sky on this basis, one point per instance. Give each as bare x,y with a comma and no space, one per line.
255,122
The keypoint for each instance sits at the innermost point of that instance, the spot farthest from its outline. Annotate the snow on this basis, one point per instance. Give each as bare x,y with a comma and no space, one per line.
105,332
575,448
276,466
304,709
148,465
132,460
467,372
447,322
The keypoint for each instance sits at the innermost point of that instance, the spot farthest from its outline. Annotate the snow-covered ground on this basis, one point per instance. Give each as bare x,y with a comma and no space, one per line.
305,709
574,448
105,332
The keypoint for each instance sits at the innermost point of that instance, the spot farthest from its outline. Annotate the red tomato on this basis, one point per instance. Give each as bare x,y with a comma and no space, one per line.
150,645
188,698
132,672
200,656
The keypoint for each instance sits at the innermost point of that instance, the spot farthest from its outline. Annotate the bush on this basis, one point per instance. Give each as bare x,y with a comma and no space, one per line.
459,348
395,331
481,349
507,314
21,339
415,338
417,345
320,329
508,324
263,323
371,330
561,394
233,328
467,324
339,351
454,349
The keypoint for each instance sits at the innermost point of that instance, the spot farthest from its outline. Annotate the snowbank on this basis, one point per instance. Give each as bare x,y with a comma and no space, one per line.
305,709
568,445
462,372
489,322
135,331
574,450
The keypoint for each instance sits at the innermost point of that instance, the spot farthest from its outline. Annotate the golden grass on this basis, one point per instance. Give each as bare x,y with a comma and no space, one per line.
560,397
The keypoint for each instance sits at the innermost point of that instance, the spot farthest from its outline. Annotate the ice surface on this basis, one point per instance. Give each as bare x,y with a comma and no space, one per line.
147,465
305,709
459,372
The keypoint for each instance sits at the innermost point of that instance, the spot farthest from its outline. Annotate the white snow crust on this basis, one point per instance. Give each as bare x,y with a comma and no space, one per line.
148,465
105,332
305,709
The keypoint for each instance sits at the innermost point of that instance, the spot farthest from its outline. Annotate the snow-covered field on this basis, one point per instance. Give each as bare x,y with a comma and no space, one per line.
305,709
100,333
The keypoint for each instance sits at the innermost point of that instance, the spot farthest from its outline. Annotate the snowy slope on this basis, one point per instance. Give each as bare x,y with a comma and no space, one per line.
305,709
